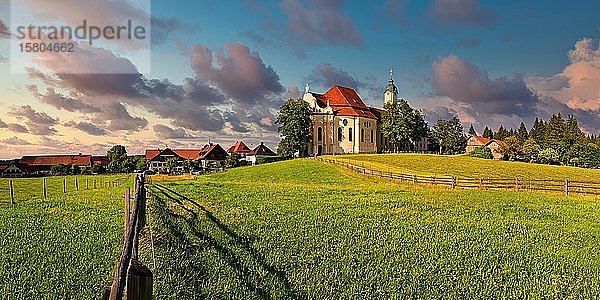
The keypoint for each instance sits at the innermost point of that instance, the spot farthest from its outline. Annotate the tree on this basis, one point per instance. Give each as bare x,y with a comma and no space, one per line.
530,150
117,155
501,134
548,156
511,148
472,130
138,163
538,132
191,165
482,152
488,133
449,134
98,169
60,169
172,164
400,123
232,161
294,120
522,134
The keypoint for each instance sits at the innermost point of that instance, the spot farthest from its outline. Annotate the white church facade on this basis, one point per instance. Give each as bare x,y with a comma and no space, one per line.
342,123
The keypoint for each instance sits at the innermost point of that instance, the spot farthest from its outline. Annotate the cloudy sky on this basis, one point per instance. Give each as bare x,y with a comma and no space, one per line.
220,69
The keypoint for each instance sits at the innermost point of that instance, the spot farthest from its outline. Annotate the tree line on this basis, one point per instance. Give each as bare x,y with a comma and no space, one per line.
559,140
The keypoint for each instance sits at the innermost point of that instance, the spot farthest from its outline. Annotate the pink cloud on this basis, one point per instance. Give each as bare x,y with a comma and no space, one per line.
578,85
461,13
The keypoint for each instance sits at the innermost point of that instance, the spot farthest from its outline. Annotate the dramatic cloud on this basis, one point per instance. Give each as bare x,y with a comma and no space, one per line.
15,141
321,23
578,85
461,13
469,43
39,123
118,118
292,92
238,72
326,75
62,102
3,124
17,128
166,132
462,81
88,128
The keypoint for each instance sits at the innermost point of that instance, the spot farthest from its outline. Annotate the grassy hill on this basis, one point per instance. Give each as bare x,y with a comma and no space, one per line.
304,229
465,166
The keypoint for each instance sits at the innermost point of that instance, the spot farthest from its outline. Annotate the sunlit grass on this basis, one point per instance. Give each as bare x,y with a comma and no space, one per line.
310,230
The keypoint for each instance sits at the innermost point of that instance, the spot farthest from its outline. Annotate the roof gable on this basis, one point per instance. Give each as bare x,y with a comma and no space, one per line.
239,147
53,160
345,102
263,150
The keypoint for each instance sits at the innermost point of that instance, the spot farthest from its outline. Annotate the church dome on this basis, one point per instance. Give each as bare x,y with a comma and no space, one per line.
391,87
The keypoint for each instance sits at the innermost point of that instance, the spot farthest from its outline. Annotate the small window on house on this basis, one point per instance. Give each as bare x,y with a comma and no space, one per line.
319,134
371,135
340,134
350,134
362,135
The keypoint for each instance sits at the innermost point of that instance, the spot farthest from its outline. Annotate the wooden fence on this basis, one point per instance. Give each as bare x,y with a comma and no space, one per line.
132,279
566,186
28,188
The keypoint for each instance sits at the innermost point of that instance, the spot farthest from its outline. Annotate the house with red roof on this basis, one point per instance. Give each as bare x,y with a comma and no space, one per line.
475,141
42,164
260,151
210,155
342,123
240,149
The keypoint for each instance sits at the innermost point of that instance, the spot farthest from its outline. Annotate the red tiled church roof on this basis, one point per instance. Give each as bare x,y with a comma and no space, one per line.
239,147
345,102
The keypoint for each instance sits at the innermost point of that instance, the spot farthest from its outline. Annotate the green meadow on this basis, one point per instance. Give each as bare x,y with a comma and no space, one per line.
65,246
305,229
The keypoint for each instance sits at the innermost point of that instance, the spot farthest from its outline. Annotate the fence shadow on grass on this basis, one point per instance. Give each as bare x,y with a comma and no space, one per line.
246,273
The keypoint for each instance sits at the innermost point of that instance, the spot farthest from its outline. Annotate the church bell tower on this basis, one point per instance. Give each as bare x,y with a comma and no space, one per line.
391,92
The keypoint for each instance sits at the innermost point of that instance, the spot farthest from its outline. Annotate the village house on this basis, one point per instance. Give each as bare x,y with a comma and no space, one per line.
240,149
258,152
42,164
342,123
211,155
475,141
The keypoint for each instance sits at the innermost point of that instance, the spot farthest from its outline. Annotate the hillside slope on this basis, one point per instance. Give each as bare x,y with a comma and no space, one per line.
465,166
303,229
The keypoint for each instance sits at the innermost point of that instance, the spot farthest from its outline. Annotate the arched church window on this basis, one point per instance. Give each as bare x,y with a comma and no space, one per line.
371,135
350,134
362,135
340,134
319,134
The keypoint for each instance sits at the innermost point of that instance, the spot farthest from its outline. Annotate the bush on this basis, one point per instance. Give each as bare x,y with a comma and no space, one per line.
482,152
269,159
548,156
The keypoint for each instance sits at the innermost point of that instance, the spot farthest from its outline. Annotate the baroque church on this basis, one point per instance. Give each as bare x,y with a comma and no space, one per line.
342,123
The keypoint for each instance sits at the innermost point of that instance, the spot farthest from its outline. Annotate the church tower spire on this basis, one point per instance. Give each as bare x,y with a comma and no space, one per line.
391,91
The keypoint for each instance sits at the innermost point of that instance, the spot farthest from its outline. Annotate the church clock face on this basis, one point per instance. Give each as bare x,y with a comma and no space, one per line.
345,122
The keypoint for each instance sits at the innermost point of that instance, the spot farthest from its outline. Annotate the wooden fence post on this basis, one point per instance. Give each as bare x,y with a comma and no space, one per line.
414,178
94,183
87,183
567,186
12,192
127,207
453,182
64,185
45,189
517,183
139,281
480,183
76,184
